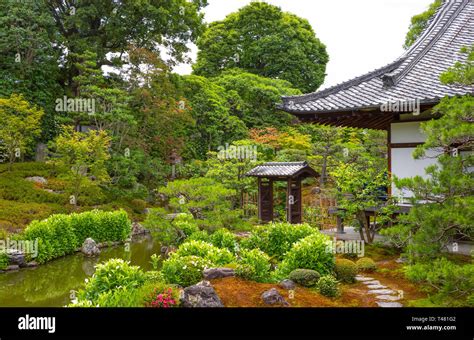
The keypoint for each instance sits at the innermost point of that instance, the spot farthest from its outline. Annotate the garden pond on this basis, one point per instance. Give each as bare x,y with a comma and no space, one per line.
53,284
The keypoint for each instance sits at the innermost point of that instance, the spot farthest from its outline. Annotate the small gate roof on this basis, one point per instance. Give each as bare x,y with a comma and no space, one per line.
283,169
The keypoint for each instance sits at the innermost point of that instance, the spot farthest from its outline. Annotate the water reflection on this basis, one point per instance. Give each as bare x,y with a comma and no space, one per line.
50,284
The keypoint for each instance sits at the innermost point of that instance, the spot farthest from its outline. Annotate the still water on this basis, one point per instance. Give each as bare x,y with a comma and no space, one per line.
50,284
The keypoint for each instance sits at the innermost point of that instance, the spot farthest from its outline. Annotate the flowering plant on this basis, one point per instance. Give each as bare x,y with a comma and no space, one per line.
162,300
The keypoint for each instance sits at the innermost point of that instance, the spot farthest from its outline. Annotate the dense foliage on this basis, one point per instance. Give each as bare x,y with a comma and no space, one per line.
304,277
62,234
252,39
254,265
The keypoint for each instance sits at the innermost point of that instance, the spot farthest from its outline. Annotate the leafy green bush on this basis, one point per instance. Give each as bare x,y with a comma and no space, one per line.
3,261
328,286
184,270
366,264
276,239
109,276
201,235
453,284
223,238
170,232
216,256
62,234
346,270
308,253
305,277
254,265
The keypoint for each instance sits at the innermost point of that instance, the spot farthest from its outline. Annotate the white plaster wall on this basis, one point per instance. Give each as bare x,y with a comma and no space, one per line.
407,132
404,165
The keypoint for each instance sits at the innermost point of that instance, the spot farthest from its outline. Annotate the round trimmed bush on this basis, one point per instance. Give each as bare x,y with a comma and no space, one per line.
184,270
309,253
345,270
305,277
328,286
366,264
254,265
201,235
216,256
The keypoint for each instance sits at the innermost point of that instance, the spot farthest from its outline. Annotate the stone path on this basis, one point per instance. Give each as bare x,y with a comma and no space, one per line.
385,296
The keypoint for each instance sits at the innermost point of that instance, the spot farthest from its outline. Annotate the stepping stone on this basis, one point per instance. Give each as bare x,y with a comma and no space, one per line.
388,297
373,282
381,291
363,278
388,304
376,286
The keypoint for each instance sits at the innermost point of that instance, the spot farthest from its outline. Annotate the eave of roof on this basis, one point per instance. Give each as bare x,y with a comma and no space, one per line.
413,76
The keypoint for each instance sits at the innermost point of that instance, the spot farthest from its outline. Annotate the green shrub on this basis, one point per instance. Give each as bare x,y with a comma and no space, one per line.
184,270
3,261
276,239
308,253
223,238
346,270
170,233
254,265
328,286
200,235
109,276
62,234
216,256
451,283
138,205
304,277
366,264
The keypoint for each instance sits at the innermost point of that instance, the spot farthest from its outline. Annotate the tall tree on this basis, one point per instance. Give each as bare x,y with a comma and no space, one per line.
20,125
29,61
253,97
261,39
419,22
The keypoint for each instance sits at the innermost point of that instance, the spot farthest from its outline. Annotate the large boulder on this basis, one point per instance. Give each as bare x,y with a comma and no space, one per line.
90,248
272,297
217,273
201,294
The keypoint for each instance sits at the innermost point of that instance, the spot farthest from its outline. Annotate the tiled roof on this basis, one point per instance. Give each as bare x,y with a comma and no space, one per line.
414,76
280,169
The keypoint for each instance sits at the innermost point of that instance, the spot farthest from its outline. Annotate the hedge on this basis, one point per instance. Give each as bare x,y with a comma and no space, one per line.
62,234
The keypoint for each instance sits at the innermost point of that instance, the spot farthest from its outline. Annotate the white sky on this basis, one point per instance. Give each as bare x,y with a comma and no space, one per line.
360,35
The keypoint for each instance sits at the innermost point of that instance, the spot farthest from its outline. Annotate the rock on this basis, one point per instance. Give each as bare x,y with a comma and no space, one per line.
217,273
16,257
363,278
373,282
376,286
37,179
137,229
401,260
381,291
201,294
90,248
31,264
388,297
287,284
388,304
12,267
272,297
